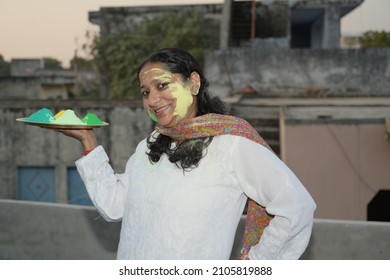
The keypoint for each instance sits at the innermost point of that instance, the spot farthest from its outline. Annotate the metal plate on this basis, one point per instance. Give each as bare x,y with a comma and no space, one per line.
62,126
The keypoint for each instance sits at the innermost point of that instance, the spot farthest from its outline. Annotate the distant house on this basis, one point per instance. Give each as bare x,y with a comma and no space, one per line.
283,24
30,80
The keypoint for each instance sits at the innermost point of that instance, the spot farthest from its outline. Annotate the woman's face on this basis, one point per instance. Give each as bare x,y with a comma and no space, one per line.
166,96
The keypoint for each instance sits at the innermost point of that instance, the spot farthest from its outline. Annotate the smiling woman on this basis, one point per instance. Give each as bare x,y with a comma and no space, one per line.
185,188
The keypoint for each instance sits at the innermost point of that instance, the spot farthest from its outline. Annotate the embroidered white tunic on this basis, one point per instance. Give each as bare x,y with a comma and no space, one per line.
170,214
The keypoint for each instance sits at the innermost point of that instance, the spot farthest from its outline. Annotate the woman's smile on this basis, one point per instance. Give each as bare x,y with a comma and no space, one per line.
161,110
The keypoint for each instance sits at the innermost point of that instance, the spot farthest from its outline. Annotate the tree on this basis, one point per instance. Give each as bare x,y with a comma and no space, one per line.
52,63
5,67
87,86
118,56
376,39
81,64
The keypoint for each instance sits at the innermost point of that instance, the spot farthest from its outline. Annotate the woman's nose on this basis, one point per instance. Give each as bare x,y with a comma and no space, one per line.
154,98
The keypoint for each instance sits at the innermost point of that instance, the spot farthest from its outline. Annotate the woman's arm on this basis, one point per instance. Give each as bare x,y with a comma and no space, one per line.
267,180
106,189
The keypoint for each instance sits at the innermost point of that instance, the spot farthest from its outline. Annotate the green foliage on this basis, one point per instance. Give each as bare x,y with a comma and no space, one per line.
81,64
118,56
5,67
376,39
52,63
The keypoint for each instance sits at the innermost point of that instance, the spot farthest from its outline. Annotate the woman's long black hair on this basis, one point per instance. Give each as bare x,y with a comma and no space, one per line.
188,154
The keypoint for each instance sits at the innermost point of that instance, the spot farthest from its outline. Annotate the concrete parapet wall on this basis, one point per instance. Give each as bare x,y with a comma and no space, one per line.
33,230
300,72
349,240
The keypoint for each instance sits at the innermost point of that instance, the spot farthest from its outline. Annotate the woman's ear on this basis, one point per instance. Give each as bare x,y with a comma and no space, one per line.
195,82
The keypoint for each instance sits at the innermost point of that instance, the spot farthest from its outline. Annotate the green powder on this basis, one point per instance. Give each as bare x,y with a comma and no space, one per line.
68,117
43,115
91,119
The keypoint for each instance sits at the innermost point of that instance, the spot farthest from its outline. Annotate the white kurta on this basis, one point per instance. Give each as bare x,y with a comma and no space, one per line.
170,214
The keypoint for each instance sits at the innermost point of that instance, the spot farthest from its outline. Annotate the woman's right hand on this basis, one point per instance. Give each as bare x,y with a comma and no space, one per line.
86,137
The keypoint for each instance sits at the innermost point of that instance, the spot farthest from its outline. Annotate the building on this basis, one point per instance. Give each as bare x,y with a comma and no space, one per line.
30,80
284,24
278,23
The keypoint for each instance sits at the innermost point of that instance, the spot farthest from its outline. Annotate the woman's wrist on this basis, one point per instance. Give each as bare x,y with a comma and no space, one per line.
89,146
86,152
89,141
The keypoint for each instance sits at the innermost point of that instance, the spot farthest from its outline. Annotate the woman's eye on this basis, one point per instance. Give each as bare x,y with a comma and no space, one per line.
145,93
163,85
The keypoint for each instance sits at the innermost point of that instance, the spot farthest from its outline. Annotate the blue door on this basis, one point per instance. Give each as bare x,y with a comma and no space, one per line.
36,184
77,193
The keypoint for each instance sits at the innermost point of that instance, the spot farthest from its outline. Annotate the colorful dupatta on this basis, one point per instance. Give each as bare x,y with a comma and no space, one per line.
214,125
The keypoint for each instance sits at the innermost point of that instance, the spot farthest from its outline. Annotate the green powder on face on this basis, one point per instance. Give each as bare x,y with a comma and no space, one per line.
43,115
152,116
68,117
91,119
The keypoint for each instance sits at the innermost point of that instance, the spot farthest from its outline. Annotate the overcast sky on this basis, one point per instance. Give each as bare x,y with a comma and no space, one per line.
56,28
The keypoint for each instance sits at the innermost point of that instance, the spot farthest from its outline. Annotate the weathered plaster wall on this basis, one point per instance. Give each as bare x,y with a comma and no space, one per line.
300,72
42,84
20,88
343,165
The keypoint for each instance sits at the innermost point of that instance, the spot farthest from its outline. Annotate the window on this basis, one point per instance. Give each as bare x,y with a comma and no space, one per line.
77,193
36,184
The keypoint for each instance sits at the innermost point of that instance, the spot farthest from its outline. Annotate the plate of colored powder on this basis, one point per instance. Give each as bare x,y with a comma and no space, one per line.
64,119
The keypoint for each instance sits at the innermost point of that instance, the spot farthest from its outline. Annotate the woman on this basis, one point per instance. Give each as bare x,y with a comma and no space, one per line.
184,189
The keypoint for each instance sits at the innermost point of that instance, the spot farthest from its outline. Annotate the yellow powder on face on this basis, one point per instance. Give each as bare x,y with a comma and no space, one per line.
183,97
165,77
179,91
